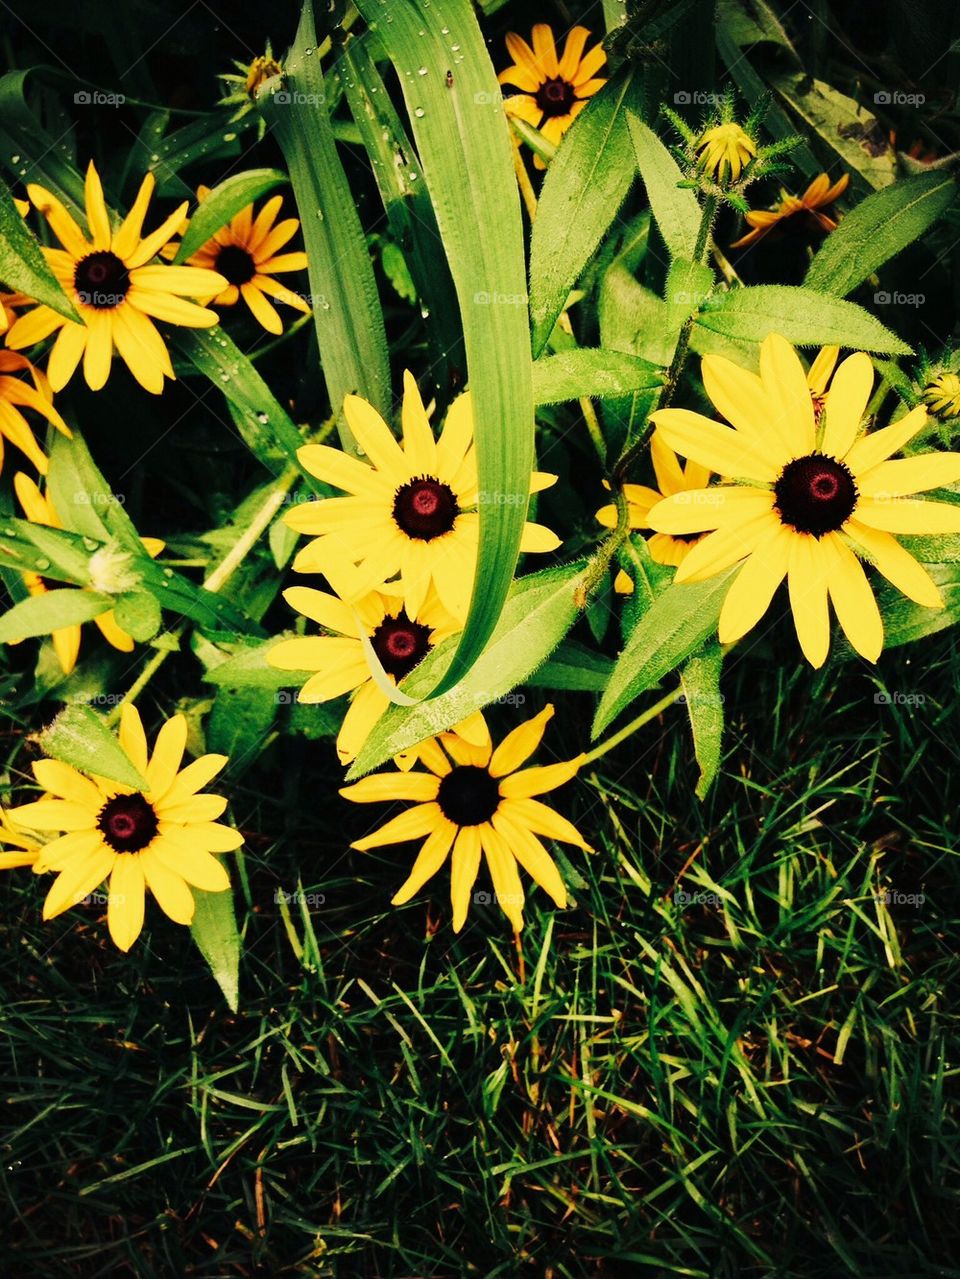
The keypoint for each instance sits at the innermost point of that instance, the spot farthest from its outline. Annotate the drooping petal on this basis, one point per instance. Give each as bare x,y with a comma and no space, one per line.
519,744
126,901
431,857
807,582
464,866
846,403
853,600
504,875
754,587
412,824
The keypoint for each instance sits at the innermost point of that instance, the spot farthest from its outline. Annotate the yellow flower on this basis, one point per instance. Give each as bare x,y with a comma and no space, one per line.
245,253
66,642
672,478
477,804
555,89
809,499
162,838
411,510
9,302
943,394
804,210
341,664
26,850
16,394
725,150
116,290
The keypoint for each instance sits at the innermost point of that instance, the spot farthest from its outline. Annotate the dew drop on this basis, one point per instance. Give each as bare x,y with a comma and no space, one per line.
43,564
422,71
14,159
90,544
420,113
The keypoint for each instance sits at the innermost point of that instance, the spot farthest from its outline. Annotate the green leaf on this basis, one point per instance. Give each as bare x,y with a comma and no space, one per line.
406,201
846,126
223,201
675,625
574,667
80,737
904,621
249,668
802,316
700,681
465,151
214,929
54,553
598,374
540,610
22,266
46,613
138,613
29,151
586,183
346,307
676,210
82,497
881,226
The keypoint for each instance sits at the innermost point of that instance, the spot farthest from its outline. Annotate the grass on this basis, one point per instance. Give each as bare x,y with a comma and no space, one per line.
754,1078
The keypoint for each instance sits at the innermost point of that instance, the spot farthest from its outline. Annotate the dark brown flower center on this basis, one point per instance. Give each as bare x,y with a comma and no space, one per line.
468,795
425,508
101,280
815,494
400,644
127,822
236,264
556,96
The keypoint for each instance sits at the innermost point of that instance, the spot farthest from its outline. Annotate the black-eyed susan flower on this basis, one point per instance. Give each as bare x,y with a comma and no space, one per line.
724,150
117,290
16,394
38,508
554,89
163,838
672,478
17,848
943,394
809,500
411,508
338,658
475,802
792,211
246,253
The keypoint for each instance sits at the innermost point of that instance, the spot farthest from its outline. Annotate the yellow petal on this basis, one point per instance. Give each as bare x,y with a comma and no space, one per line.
125,905
908,515
98,219
519,744
727,452
79,879
808,572
192,863
504,875
343,472
897,565
132,738
66,354
98,352
910,475
464,865
754,587
429,860
846,403
193,778
412,824
532,856
375,439
365,709
719,550
54,814
126,239
66,783
741,397
853,600
537,781
542,820
698,510
785,382
879,445
418,442
167,755
173,896
326,610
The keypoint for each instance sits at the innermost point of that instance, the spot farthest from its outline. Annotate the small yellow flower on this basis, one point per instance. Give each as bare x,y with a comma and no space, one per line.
724,150
475,802
15,395
117,290
811,498
340,663
261,69
162,838
555,89
795,211
245,253
411,507
672,478
66,642
943,395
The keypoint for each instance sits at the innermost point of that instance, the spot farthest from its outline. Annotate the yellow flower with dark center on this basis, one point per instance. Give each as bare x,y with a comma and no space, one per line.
809,500
725,150
66,641
554,89
117,290
338,658
162,838
245,252
475,802
943,394
25,849
15,395
411,510
672,478
792,211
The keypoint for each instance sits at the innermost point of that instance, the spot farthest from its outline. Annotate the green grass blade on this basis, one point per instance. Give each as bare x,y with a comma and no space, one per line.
454,103
346,307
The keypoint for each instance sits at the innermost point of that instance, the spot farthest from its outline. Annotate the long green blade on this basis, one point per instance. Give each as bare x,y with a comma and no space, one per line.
454,103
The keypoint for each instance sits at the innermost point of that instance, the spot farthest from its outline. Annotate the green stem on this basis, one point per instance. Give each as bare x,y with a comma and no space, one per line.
600,564
650,713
